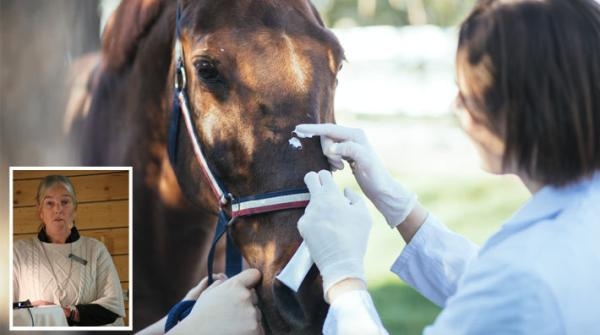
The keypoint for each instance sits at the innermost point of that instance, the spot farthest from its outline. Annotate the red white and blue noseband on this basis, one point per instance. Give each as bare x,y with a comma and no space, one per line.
269,202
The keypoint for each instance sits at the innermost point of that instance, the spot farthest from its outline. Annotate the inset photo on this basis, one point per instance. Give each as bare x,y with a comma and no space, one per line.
71,248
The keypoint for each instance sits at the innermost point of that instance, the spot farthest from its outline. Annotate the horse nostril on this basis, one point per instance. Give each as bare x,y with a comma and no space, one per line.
288,304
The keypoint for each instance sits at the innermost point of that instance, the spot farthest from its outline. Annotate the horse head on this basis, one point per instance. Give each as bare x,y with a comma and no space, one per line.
253,70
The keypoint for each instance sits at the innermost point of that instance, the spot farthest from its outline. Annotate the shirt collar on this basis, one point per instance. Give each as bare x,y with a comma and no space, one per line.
74,236
550,200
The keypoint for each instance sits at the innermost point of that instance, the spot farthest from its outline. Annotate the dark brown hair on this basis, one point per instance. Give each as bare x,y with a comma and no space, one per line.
532,70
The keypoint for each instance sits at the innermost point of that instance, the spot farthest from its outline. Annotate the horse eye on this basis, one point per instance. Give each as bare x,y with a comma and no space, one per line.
207,70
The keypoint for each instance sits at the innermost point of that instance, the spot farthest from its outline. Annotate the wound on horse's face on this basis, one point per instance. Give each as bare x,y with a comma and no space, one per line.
295,143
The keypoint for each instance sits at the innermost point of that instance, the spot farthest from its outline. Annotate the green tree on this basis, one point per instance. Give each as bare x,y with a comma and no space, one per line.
393,12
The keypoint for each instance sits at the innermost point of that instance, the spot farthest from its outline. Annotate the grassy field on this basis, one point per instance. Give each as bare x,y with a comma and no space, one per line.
433,159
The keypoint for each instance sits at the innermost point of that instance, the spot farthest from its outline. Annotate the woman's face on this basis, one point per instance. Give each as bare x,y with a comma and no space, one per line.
489,146
57,209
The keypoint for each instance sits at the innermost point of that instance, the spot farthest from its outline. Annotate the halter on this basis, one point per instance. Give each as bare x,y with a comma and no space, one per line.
239,207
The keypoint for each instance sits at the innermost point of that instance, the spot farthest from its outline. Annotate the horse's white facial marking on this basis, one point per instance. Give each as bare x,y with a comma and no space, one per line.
296,67
295,143
247,138
217,129
209,123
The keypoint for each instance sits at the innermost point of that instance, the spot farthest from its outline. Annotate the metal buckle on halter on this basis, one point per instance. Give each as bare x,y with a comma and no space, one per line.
180,79
226,199
230,222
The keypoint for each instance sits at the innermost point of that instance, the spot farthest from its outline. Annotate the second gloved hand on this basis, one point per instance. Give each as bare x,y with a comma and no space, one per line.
335,227
223,301
343,143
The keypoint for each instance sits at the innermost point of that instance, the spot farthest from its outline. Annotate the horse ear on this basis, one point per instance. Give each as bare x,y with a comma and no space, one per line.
126,26
316,14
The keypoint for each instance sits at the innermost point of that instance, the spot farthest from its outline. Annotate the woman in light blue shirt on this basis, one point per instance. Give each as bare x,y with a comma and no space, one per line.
528,73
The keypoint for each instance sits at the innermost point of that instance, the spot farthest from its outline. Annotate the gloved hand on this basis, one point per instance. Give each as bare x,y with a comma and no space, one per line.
220,303
195,291
335,227
342,143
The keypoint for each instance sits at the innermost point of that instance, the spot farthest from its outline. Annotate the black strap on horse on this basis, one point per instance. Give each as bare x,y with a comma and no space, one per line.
181,108
250,205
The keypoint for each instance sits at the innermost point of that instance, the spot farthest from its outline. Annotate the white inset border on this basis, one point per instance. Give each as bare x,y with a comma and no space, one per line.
10,242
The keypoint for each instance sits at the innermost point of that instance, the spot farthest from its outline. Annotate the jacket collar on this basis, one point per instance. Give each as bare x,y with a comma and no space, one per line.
74,236
549,201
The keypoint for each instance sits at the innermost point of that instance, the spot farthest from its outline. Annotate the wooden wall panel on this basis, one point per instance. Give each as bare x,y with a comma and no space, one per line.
96,187
115,240
39,174
96,215
122,265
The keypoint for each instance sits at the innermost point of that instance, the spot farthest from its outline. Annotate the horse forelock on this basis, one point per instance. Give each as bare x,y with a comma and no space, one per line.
280,14
127,25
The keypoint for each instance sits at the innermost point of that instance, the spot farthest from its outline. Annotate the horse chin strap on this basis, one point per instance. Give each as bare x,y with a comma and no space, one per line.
239,207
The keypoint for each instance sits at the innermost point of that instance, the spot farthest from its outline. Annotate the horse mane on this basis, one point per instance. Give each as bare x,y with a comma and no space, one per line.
119,45
315,12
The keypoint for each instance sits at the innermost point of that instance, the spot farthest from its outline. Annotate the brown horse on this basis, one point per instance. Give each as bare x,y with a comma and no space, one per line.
254,70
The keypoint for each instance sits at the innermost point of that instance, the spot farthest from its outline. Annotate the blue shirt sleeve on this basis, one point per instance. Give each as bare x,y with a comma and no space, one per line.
435,260
496,298
353,313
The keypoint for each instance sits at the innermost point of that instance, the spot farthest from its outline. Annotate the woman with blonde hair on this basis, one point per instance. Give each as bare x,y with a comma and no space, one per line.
60,267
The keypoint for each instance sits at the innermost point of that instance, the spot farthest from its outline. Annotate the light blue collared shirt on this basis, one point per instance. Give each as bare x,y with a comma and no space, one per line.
539,274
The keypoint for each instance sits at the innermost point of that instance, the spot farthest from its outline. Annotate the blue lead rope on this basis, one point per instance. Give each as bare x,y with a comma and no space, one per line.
233,260
178,313
233,266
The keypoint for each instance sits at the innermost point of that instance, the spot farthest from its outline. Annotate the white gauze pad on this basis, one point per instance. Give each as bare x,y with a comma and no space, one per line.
296,269
295,143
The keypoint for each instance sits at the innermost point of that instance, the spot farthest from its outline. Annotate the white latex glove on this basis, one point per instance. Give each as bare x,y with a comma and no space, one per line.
335,227
350,144
195,291
220,303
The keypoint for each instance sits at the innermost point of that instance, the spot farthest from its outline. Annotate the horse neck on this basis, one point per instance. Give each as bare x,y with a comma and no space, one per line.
131,104
136,96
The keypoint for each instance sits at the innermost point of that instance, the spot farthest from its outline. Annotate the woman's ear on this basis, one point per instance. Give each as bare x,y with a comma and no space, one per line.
40,215
481,133
489,145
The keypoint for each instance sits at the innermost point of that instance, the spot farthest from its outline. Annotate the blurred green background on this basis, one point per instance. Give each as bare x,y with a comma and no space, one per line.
392,12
